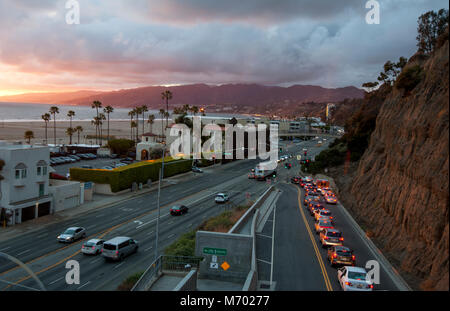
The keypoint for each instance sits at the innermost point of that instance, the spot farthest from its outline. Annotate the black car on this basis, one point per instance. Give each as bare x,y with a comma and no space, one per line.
295,180
178,210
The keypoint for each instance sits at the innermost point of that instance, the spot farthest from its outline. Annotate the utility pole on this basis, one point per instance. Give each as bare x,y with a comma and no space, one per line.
161,176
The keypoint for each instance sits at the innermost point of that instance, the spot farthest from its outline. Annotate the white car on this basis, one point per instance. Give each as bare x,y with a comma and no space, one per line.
354,279
221,198
92,247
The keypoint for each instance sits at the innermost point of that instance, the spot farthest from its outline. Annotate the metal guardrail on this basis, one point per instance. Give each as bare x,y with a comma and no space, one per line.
165,263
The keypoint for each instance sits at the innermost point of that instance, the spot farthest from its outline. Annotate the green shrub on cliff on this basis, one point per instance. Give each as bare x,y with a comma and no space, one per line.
409,78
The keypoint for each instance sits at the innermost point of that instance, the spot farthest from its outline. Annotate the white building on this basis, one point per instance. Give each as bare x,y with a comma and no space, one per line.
24,191
149,142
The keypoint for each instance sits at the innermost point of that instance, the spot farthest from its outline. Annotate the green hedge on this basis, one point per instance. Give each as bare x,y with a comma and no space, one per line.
122,178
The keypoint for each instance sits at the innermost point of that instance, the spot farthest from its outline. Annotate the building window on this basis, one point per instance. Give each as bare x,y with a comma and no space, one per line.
42,170
21,173
17,174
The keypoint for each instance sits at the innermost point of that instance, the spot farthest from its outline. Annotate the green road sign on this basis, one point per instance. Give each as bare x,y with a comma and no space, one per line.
214,251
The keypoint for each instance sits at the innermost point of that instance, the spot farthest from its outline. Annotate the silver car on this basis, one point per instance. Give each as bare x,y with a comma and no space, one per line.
72,234
92,247
119,247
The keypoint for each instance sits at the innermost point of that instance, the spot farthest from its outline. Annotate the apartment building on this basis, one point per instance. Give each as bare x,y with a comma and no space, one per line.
24,190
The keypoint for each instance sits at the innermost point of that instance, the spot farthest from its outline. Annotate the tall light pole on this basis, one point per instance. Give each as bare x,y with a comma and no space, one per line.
161,176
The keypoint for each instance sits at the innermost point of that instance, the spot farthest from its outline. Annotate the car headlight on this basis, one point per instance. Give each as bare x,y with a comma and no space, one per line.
58,237
68,238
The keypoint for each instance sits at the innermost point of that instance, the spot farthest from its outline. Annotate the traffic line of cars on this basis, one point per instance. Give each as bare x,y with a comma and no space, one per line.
316,196
114,249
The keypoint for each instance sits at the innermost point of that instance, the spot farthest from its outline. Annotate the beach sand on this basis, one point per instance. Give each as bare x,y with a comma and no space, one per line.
14,131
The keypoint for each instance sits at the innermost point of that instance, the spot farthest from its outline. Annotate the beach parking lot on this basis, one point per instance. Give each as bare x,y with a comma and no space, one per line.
63,169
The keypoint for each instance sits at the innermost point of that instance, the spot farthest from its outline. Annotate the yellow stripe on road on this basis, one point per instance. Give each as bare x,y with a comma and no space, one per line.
316,249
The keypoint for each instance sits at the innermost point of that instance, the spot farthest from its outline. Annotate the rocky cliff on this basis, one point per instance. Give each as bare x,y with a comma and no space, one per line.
400,190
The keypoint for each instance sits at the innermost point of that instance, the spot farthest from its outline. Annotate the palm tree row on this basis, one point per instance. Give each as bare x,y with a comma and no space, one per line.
70,131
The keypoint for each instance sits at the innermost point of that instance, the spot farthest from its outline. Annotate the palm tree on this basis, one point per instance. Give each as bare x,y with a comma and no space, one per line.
29,135
133,125
96,122
144,109
96,104
102,118
70,114
131,114
162,113
167,95
79,129
108,110
69,132
46,117
194,110
151,120
138,112
54,110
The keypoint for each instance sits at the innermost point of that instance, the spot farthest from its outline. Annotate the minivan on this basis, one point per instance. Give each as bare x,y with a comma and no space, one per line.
119,247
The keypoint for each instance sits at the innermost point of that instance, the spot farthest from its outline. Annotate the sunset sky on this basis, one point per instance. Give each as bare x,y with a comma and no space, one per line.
123,44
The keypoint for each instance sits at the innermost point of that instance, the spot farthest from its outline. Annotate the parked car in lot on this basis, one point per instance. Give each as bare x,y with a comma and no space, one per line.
221,198
322,224
87,166
330,237
76,158
126,160
195,169
354,279
72,234
341,255
92,247
178,210
119,247
107,167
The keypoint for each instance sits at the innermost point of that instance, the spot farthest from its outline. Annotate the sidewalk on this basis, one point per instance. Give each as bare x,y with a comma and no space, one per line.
99,202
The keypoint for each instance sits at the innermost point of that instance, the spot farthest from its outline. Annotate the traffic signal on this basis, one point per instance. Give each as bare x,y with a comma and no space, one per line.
281,149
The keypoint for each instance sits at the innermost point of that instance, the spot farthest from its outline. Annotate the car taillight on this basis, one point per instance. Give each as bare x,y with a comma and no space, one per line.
334,256
353,257
369,286
341,239
82,246
117,252
325,238
348,283
93,247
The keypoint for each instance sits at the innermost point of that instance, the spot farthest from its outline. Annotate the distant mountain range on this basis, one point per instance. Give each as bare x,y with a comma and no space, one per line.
232,98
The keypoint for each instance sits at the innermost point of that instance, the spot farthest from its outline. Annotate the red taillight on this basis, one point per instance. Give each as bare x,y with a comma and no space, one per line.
341,239
370,286
325,238
348,283
93,247
101,251
117,252
334,256
353,257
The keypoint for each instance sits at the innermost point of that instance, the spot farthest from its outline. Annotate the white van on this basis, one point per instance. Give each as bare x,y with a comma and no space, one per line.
119,247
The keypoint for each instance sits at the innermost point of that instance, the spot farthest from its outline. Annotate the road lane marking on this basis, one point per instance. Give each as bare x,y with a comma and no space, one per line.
117,266
4,249
23,252
316,249
263,235
42,235
83,285
56,281
147,249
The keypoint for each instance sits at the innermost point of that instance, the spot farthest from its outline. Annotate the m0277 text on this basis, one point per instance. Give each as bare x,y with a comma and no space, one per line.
237,300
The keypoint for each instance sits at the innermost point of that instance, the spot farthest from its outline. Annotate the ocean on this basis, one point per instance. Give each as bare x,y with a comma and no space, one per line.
25,112
20,112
